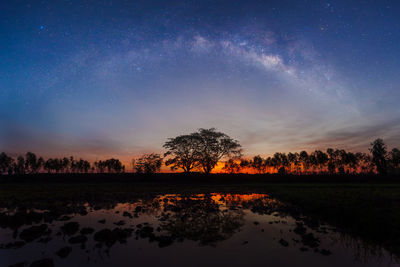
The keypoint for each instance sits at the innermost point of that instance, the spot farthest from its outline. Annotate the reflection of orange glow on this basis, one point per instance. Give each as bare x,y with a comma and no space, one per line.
219,198
237,197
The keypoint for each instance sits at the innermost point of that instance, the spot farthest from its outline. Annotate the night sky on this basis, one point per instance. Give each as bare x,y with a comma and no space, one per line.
97,78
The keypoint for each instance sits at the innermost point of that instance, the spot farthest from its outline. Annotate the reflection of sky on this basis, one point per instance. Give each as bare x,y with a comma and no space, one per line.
116,79
215,229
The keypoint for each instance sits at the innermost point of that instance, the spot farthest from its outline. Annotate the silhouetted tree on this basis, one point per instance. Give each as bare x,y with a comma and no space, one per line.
53,165
6,163
245,164
19,165
304,160
379,155
280,160
270,163
331,160
258,164
365,163
32,163
100,166
340,160
49,165
352,161
83,166
293,159
232,166
72,165
148,163
394,160
282,170
320,159
313,162
114,165
65,164
184,152
214,146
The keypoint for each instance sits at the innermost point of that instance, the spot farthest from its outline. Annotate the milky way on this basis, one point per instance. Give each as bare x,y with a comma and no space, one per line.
116,78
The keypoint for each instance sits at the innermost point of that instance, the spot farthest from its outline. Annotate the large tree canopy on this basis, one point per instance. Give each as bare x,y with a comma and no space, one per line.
202,149
184,151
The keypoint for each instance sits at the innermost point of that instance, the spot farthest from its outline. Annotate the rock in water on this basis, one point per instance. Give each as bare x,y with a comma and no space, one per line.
64,252
43,263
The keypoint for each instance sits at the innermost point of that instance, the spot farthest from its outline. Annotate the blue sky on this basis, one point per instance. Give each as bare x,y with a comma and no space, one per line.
116,78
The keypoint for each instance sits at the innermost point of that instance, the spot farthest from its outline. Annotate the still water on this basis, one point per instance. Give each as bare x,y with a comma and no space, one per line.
177,230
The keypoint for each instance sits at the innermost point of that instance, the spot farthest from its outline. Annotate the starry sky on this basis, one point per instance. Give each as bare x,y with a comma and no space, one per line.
98,78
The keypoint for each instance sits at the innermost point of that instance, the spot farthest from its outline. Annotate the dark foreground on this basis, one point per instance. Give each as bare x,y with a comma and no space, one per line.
102,220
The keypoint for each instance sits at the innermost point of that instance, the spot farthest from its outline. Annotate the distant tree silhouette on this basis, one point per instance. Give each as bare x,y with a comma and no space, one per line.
304,160
280,160
148,163
73,166
32,163
19,165
353,160
365,163
114,165
232,166
331,160
259,164
340,160
282,170
100,166
49,165
53,165
82,166
293,159
319,159
111,165
245,164
394,160
184,152
378,150
6,163
204,149
270,163
65,164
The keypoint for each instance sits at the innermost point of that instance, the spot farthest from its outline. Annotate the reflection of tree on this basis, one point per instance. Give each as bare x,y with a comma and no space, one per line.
200,220
205,219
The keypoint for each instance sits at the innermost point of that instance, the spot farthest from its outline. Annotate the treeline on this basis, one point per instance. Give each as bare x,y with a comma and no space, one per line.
31,164
202,150
332,161
205,149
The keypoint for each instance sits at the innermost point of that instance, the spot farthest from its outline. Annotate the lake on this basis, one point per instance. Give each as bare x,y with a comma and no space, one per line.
177,230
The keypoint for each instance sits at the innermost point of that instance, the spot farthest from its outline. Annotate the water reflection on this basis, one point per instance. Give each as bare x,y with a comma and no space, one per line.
175,230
